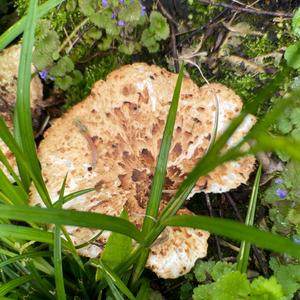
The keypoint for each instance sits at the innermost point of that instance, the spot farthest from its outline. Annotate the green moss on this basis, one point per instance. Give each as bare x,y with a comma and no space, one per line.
255,46
96,70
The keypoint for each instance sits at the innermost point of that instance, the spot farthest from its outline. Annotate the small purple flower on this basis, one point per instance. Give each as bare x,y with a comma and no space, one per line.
278,181
121,23
113,15
143,10
296,240
281,193
121,1
44,74
104,3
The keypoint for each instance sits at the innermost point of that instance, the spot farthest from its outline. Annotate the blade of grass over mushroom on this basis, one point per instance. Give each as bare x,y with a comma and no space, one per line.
72,196
8,139
22,117
25,256
11,285
58,273
68,217
26,233
162,160
14,193
237,231
5,162
112,278
15,30
242,261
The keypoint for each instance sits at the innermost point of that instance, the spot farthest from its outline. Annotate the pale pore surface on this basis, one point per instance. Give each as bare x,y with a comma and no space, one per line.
111,140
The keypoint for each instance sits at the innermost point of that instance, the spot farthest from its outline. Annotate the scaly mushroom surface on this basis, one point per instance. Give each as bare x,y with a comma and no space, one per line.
111,141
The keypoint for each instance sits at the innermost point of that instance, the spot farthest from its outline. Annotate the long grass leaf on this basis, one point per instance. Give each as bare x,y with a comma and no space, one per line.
11,285
113,279
237,231
242,261
22,116
15,30
9,140
72,196
162,160
14,193
26,233
58,273
68,217
24,256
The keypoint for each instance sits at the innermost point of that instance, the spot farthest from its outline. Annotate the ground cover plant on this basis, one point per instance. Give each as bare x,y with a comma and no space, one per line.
41,264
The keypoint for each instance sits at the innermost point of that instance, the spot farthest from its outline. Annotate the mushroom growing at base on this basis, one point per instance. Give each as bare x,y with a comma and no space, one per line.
111,141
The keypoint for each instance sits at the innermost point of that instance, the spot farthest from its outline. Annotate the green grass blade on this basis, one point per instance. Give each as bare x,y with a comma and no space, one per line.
26,233
9,140
24,256
5,162
58,273
237,231
68,217
22,117
14,31
14,193
162,160
242,261
73,195
114,281
266,142
11,285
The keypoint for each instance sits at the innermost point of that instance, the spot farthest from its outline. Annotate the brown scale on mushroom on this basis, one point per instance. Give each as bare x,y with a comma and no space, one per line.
129,110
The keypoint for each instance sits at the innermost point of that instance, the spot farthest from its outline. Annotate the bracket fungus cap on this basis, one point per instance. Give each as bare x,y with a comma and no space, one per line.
111,141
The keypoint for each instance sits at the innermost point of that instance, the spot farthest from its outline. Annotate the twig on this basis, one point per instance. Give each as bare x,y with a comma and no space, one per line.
220,255
166,14
247,9
174,26
257,254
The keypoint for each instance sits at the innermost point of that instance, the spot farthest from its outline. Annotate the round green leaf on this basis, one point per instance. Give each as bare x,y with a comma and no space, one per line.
292,55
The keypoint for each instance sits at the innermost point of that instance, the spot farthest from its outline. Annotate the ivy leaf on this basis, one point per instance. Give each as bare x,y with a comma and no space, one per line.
148,40
63,66
288,276
295,116
269,289
126,49
103,19
112,29
222,268
292,55
105,45
232,286
159,25
296,134
130,13
284,124
64,82
296,22
41,60
50,42
87,7
202,269
94,33
76,77
204,292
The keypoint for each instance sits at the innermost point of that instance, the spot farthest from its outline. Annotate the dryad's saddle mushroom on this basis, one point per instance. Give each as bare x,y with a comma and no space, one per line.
111,141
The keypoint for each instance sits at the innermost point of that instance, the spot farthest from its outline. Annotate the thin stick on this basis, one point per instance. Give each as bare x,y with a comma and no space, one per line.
248,10
220,255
